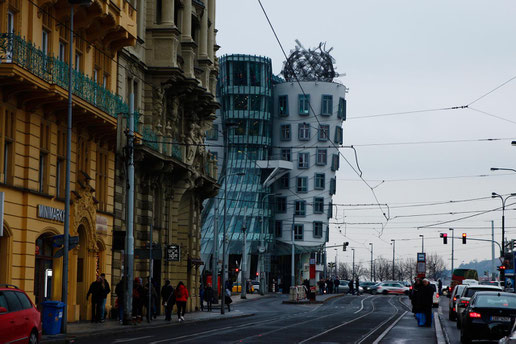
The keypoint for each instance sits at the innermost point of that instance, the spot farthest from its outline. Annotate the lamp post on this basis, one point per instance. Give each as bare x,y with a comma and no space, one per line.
452,249
372,264
261,249
495,195
422,243
353,266
393,242
336,254
502,169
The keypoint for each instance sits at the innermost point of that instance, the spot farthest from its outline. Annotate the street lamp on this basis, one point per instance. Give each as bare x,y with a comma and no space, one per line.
422,243
495,195
393,243
353,266
372,264
452,249
502,169
261,249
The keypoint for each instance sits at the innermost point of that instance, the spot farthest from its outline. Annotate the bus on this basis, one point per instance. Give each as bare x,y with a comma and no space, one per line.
461,274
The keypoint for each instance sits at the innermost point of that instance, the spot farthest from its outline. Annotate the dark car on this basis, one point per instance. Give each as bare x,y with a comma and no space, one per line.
466,295
489,315
369,286
20,321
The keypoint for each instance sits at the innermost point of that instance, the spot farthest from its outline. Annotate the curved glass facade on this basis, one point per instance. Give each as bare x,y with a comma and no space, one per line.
244,91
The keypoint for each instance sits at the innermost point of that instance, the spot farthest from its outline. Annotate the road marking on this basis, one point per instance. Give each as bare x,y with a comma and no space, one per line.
362,304
125,340
190,335
396,309
338,326
387,330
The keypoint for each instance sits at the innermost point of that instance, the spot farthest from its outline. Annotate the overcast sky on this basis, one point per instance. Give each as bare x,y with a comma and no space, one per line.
400,56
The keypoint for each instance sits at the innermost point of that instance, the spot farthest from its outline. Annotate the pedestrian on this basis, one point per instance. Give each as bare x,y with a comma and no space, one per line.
336,284
152,312
427,302
329,283
201,297
181,295
138,294
227,299
440,285
167,296
96,293
321,286
208,296
357,286
120,298
351,286
105,291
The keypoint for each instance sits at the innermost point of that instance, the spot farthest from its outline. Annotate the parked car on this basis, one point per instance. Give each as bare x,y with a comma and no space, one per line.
343,287
467,294
368,287
256,285
435,297
392,288
452,306
488,316
19,318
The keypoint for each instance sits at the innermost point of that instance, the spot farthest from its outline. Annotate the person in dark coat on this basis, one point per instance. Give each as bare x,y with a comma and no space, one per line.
97,295
321,286
167,292
336,284
201,297
105,291
427,301
357,286
440,285
414,296
138,295
351,287
208,296
329,285
119,291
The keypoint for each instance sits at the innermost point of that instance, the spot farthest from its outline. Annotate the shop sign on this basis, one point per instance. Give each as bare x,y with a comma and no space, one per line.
101,224
54,214
173,253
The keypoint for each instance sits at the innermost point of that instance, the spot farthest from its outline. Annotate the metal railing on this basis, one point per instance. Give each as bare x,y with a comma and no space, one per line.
14,49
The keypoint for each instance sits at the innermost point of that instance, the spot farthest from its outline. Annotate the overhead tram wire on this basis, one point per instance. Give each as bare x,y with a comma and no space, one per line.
317,118
493,90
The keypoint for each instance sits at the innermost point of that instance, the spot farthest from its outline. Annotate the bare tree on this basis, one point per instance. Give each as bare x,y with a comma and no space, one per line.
435,266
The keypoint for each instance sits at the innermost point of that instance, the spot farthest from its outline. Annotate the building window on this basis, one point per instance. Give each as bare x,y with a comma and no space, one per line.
285,134
240,102
333,186
102,179
82,156
319,180
255,73
286,154
77,61
44,41
284,181
318,226
281,205
7,134
256,103
338,135
62,51
278,229
330,210
324,132
321,157
303,132
298,232
327,105
335,162
239,74
44,150
283,106
304,104
61,163
342,109
300,209
303,160
318,205
302,184
213,133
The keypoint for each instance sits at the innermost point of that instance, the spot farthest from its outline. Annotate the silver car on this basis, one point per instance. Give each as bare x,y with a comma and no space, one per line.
452,313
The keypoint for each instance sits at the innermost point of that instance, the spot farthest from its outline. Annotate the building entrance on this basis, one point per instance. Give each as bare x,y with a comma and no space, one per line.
43,268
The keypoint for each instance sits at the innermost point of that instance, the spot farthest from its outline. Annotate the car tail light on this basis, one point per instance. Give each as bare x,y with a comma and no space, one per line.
464,302
454,309
454,299
437,295
475,315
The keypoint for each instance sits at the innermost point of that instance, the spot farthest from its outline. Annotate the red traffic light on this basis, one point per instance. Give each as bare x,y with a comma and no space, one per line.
445,238
463,238
236,270
501,267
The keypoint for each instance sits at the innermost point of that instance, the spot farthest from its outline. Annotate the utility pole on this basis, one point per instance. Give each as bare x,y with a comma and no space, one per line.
66,225
293,253
336,253
129,240
372,266
353,267
151,263
452,248
393,256
493,268
215,263
422,243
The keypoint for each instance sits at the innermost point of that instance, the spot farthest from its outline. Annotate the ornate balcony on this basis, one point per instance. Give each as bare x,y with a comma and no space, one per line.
14,50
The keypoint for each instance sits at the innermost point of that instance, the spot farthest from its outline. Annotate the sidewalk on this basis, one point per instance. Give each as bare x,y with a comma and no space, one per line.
84,329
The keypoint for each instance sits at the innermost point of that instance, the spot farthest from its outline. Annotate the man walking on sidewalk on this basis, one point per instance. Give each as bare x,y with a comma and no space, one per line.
167,293
208,296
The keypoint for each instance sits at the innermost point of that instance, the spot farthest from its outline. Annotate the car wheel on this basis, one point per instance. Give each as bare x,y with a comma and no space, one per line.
406,292
384,292
373,292
464,338
33,338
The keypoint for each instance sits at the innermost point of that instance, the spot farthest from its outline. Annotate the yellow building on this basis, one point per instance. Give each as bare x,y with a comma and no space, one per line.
34,57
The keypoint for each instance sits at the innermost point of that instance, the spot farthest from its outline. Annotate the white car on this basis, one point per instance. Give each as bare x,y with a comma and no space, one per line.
392,288
435,301
469,282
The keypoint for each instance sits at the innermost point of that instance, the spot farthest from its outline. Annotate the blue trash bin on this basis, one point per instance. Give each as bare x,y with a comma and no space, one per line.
52,316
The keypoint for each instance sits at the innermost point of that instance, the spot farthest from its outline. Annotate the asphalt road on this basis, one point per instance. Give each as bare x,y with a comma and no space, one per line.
347,319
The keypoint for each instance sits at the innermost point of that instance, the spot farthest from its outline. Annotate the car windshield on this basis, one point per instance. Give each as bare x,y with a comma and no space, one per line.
472,291
496,301
489,283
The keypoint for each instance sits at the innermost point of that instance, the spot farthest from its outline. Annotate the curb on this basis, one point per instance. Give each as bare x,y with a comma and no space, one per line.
440,332
246,300
65,339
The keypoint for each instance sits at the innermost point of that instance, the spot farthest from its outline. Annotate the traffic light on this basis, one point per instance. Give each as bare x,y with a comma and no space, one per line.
236,270
344,246
501,268
463,238
445,238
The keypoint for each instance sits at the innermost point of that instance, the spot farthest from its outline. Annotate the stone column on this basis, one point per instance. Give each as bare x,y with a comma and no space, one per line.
186,27
167,12
203,44
211,30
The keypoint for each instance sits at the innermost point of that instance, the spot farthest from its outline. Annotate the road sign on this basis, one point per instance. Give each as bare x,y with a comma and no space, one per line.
421,268
173,253
58,241
421,257
143,253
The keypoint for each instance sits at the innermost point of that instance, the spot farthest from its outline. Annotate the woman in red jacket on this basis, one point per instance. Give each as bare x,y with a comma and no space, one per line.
181,295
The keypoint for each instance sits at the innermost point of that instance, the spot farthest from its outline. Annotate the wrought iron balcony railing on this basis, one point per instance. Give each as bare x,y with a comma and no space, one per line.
14,49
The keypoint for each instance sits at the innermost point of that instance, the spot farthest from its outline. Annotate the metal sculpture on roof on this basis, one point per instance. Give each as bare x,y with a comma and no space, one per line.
309,65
